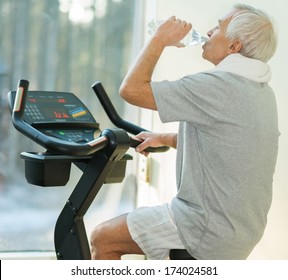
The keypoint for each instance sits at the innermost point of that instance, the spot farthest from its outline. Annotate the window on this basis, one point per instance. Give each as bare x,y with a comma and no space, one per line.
61,45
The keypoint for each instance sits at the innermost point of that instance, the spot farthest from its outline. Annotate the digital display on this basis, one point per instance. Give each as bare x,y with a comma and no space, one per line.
57,107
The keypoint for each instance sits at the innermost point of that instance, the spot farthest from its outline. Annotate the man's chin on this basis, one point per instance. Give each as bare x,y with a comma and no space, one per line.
203,54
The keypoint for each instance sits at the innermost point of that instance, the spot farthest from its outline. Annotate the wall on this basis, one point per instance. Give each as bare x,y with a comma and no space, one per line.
174,63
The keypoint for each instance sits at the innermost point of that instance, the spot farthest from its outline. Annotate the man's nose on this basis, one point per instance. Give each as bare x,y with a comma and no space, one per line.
209,33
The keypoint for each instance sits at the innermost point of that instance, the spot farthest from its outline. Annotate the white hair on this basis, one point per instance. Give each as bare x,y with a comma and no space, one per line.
255,30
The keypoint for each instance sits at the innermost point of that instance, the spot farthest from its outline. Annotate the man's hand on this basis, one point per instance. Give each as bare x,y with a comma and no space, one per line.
172,31
150,139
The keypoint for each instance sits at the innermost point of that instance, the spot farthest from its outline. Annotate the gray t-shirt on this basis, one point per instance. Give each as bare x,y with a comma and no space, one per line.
226,155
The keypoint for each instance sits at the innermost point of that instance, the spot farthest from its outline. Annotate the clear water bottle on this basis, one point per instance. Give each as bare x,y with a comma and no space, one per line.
193,38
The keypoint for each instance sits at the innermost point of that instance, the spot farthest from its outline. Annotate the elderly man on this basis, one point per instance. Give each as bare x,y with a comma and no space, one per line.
226,145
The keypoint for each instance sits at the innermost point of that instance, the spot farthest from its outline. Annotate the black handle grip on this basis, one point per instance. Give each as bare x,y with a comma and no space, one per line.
118,121
135,143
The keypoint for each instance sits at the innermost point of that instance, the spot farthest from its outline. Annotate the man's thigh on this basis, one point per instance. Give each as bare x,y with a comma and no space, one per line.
154,230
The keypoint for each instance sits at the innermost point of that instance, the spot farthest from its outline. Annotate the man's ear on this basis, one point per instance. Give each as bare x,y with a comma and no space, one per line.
235,47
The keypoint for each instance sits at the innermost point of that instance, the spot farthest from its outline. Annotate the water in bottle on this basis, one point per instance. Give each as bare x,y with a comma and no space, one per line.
193,38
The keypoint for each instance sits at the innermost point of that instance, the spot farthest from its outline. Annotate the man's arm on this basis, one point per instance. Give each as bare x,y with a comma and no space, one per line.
136,88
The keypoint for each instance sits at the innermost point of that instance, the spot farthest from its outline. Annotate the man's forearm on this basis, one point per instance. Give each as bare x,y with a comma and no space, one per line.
136,88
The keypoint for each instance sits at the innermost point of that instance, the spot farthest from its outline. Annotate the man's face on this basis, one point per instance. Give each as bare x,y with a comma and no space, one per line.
218,46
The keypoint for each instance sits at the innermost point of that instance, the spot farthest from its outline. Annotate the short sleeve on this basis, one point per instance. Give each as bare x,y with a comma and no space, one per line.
198,98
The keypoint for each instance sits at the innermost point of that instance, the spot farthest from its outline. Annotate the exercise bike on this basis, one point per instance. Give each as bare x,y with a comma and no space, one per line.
63,125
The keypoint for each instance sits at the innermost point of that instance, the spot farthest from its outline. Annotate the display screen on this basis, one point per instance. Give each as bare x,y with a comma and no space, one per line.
56,107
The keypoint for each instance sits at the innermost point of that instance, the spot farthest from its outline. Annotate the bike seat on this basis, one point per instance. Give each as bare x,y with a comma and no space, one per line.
180,254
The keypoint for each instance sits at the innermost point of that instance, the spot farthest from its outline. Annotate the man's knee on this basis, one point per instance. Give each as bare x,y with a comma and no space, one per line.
97,237
97,241
112,239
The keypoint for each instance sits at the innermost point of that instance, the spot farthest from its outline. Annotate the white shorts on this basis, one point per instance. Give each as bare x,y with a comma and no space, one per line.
154,230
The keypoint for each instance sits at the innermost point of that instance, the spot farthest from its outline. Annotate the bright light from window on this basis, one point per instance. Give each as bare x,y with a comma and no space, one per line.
83,11
64,6
80,14
100,8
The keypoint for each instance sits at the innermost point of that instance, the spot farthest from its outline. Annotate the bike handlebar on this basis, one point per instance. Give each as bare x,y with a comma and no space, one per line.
119,122
71,148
